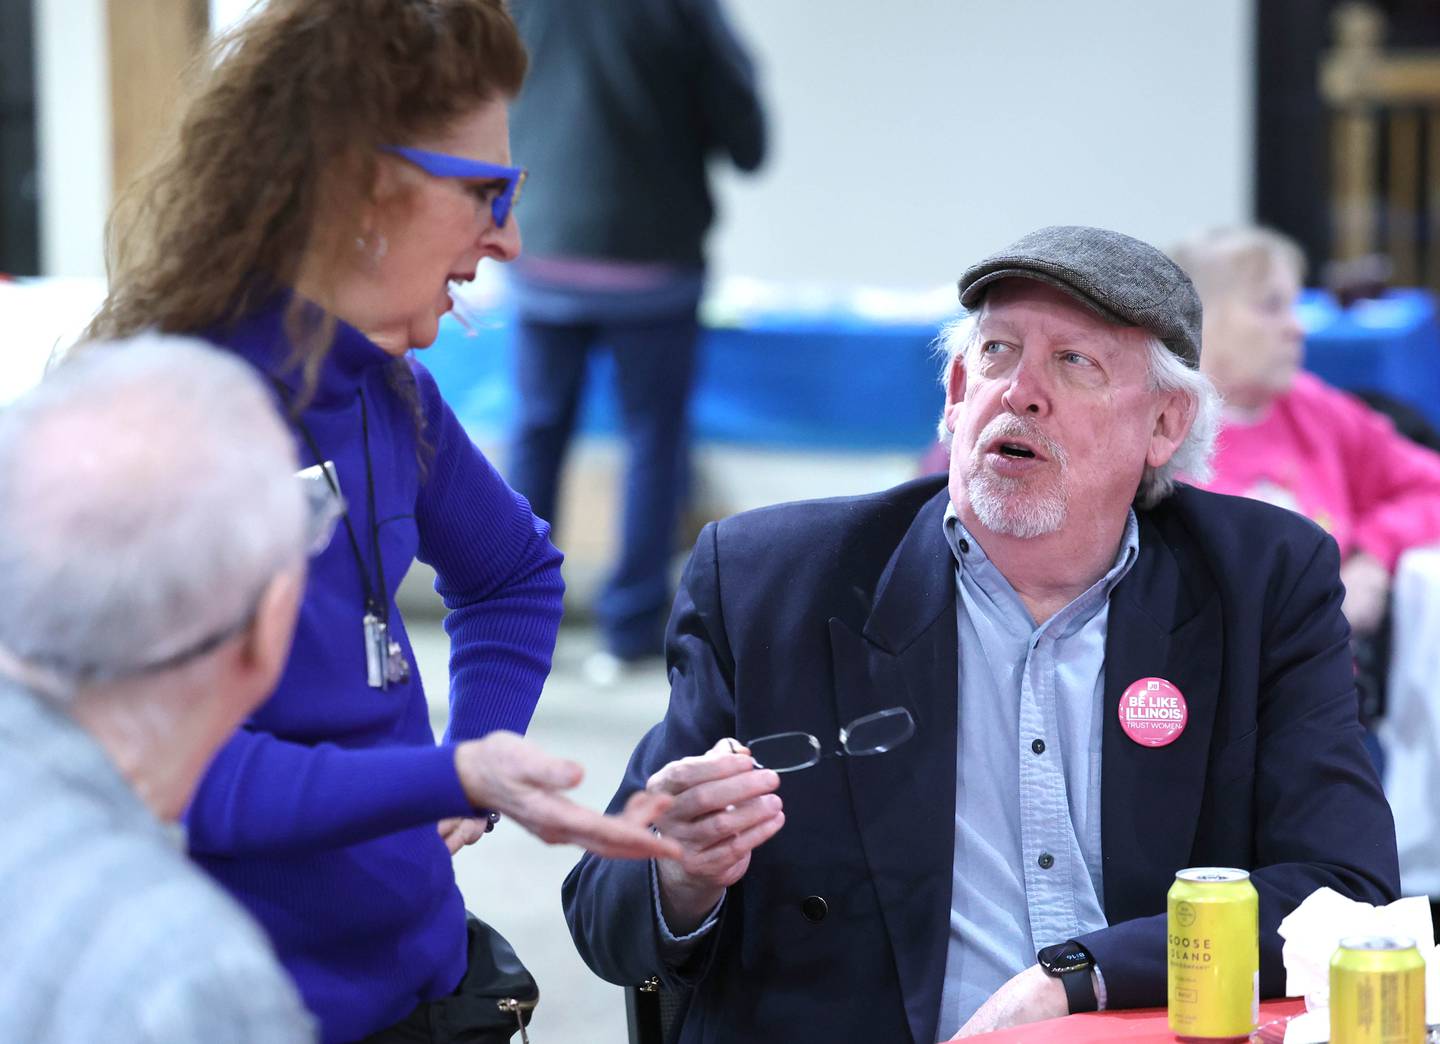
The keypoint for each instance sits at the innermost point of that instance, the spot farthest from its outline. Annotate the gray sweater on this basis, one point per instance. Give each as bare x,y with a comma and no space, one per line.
109,933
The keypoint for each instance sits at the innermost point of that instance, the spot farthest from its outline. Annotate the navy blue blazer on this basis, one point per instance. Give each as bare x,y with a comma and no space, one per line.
805,616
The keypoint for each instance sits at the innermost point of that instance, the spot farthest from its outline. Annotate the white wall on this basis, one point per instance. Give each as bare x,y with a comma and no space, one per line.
909,137
912,137
72,72
226,13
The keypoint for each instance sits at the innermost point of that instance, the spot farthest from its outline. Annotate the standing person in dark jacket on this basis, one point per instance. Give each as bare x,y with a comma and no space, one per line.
625,104
341,164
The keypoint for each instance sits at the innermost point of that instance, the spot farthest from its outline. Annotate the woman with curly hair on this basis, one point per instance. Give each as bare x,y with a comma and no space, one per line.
342,163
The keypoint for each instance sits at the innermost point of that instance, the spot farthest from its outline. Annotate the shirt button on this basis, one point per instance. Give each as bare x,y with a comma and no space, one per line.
964,546
1046,860
1038,746
814,908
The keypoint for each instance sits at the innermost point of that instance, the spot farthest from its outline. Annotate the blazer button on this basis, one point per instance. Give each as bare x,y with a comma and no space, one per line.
814,908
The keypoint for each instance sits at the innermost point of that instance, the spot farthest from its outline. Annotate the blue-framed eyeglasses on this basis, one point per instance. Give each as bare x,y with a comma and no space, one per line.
444,165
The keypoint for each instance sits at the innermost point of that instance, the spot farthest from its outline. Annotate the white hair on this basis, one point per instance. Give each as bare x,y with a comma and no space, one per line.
1168,373
149,497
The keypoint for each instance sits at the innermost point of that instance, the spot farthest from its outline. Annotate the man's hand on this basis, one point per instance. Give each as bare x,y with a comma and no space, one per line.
461,831
1367,590
511,775
1028,997
724,808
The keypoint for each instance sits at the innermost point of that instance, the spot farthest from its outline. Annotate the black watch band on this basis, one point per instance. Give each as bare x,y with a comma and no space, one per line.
1079,991
1072,964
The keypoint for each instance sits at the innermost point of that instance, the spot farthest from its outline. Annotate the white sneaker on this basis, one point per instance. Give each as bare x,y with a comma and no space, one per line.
605,670
602,669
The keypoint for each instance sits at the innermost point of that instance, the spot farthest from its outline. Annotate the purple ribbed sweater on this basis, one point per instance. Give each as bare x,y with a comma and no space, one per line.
319,815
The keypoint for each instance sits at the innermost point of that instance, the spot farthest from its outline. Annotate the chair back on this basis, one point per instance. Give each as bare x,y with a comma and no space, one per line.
653,1013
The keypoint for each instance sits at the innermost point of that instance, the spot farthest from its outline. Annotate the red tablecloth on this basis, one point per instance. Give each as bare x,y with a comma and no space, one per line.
1144,1025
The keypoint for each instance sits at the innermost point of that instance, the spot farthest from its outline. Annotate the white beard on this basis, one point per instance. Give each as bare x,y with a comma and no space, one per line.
1005,506
1011,506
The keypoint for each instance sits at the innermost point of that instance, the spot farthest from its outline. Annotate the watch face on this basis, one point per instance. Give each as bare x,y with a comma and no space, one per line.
1065,957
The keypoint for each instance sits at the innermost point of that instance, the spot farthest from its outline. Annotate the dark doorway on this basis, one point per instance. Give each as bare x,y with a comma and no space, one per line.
19,176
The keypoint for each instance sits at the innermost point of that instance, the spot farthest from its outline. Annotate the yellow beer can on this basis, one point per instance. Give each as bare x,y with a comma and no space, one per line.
1377,991
1213,954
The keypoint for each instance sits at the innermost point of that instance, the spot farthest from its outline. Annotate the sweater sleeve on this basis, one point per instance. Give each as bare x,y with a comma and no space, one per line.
729,98
262,794
1394,484
498,573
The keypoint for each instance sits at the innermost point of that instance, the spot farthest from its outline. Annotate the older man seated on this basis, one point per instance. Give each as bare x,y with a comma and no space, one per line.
1017,615
152,540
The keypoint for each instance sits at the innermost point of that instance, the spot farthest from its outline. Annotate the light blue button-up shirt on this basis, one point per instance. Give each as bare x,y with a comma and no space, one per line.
1027,871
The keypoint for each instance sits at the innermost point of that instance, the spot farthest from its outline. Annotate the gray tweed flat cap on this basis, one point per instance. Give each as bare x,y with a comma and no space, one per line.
1118,278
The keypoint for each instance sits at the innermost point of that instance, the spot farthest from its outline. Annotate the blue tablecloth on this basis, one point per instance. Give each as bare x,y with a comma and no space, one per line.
842,382
1390,344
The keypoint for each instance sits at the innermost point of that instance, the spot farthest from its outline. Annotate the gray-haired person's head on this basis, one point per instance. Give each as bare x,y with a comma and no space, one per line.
149,498
1167,374
1123,281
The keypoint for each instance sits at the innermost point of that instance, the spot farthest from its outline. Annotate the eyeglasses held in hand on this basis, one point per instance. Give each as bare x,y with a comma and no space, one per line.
872,734
444,165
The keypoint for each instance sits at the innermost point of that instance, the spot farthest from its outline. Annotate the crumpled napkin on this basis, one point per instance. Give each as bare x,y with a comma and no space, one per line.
1312,934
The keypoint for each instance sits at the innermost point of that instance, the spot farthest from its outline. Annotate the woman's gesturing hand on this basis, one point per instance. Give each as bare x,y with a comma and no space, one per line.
513,776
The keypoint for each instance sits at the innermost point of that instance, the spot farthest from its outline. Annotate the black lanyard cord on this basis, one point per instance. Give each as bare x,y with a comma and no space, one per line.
374,603
384,604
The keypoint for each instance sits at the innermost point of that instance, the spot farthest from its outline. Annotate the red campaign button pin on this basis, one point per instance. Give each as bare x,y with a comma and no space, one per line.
1153,712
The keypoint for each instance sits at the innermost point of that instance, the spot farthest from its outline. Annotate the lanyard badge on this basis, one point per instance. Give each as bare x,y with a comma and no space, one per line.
385,662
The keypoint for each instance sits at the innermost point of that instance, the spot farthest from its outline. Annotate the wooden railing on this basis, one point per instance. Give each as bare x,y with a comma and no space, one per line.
1384,110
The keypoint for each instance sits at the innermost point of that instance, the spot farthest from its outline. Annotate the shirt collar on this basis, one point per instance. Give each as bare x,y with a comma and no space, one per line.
970,555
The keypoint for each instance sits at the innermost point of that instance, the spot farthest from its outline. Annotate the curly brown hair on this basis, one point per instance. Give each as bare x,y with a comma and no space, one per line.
273,161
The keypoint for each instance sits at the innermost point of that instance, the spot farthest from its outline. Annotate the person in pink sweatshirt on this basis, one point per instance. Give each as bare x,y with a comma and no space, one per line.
1291,439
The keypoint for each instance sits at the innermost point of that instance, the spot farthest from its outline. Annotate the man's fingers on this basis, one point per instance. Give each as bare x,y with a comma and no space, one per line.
719,794
735,820
701,833
688,772
731,849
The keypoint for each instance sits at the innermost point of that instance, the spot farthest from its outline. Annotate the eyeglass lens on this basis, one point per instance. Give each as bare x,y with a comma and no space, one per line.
785,751
876,733
324,506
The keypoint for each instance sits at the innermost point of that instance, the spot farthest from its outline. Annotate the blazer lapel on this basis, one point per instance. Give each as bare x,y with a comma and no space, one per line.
904,801
1159,627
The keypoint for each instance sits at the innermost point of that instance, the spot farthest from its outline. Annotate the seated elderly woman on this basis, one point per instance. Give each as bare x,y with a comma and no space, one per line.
1291,439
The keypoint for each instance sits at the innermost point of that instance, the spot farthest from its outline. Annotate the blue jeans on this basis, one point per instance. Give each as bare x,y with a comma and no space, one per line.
654,377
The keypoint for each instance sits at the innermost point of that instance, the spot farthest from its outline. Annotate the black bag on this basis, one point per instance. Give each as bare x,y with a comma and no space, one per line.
494,1000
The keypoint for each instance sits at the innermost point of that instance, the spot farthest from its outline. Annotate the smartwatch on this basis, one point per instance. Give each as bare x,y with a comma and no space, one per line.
1072,964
